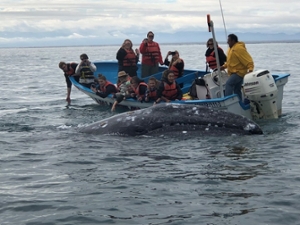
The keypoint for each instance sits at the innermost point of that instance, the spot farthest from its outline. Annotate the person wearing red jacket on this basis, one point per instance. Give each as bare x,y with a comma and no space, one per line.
69,70
151,56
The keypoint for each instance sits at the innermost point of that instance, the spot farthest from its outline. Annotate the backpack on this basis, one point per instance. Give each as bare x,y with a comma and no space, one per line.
199,86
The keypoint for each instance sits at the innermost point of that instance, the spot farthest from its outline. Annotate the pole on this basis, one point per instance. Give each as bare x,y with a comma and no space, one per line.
211,29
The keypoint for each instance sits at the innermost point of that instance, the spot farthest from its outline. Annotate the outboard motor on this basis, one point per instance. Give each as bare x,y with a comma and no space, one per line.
260,89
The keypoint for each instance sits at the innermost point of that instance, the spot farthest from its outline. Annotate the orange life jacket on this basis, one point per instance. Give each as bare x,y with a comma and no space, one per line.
170,90
175,70
211,60
137,89
103,88
152,54
70,71
152,93
130,58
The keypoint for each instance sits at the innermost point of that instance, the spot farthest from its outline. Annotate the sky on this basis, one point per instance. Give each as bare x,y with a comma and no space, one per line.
100,22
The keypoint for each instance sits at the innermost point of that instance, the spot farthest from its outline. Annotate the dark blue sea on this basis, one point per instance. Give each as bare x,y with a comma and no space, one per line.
52,174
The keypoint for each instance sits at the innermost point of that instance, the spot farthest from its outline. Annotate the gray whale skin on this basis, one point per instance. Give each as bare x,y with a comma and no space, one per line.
169,117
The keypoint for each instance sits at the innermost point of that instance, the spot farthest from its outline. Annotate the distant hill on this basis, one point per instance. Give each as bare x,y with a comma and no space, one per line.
117,37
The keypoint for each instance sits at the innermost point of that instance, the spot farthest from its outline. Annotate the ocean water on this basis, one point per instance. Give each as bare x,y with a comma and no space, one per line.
52,174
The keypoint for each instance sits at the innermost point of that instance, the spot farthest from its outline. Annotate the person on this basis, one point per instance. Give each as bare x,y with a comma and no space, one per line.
86,70
211,56
239,63
105,87
176,64
69,70
139,88
168,89
127,58
123,89
151,56
151,92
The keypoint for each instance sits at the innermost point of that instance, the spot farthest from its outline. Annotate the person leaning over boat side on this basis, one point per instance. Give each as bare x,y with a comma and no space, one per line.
127,58
151,56
123,89
69,70
105,87
211,56
168,89
86,70
151,92
239,63
139,88
176,64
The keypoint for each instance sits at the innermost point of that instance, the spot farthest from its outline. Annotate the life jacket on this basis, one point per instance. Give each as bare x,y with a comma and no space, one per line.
103,88
130,58
175,71
152,54
137,89
170,90
152,93
211,60
70,71
86,72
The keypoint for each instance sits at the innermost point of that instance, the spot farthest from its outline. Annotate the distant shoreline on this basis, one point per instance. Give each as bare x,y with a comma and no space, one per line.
177,43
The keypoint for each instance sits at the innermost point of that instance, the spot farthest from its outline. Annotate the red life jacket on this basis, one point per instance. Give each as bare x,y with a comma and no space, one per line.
152,93
211,60
130,58
103,88
175,70
152,54
70,71
137,89
170,90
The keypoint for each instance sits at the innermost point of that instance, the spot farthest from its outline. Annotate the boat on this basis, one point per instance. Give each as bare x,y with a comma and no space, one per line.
263,92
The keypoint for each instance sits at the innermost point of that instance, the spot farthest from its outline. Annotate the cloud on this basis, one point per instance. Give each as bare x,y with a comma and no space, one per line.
58,19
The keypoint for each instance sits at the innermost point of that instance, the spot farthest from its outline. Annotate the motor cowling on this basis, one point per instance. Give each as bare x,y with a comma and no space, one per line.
260,89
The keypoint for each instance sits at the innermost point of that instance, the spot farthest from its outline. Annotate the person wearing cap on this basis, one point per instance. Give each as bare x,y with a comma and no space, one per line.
69,70
151,56
123,89
86,70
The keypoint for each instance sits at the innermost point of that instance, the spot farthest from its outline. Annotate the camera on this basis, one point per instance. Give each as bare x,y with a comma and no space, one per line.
173,53
93,85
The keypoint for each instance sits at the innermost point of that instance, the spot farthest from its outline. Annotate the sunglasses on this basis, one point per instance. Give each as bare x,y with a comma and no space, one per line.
151,36
210,44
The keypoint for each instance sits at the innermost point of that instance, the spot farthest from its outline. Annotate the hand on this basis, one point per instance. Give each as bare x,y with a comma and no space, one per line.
222,67
132,95
68,99
140,99
137,51
93,89
145,41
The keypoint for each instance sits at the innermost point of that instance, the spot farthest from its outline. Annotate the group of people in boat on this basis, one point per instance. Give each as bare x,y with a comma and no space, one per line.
238,63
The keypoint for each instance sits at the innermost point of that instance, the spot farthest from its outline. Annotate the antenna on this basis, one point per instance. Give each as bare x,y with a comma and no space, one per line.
223,19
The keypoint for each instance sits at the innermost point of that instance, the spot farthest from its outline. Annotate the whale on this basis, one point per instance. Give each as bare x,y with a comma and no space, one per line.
166,118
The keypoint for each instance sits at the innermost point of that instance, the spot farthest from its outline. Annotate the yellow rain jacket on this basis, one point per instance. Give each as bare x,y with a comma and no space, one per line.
239,61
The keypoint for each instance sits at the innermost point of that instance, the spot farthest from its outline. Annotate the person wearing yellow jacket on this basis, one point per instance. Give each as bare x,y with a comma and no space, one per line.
239,63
